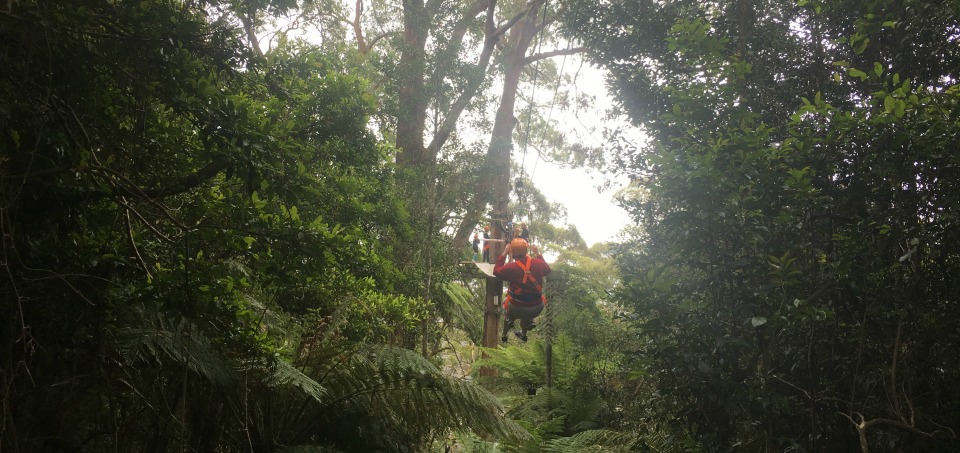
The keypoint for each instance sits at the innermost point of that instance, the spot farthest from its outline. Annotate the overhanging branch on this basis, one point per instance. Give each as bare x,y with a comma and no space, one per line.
493,35
553,53
128,189
513,20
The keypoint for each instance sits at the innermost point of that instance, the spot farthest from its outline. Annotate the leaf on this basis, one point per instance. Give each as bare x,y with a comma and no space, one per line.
863,46
854,72
257,202
595,440
900,108
758,321
888,103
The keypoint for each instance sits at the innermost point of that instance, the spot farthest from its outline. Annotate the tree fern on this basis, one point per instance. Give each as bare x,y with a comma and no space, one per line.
376,398
284,374
600,440
465,310
404,386
309,449
569,406
527,365
163,339
466,441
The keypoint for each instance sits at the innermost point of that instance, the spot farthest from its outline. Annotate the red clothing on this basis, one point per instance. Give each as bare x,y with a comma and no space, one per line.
524,292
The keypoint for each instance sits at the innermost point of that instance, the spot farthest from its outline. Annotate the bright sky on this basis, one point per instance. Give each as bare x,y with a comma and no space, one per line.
596,215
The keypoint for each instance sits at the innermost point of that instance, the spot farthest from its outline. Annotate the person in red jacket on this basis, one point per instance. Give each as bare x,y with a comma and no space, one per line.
525,300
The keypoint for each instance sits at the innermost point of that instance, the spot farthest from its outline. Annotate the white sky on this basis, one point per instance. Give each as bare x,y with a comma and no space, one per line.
595,215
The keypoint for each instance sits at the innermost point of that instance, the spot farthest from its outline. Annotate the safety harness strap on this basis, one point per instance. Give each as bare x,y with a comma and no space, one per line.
518,297
526,273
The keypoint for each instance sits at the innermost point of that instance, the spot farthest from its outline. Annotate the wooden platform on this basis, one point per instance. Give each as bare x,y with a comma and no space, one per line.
485,268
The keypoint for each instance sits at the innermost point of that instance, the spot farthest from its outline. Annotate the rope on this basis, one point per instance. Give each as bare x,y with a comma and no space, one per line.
522,195
553,102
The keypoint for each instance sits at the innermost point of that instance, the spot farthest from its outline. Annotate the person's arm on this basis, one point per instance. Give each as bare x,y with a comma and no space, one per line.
544,265
498,266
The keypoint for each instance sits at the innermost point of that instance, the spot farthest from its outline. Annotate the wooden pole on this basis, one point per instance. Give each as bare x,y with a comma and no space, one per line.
494,286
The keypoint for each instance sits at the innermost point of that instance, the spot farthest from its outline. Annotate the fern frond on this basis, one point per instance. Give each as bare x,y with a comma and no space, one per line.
596,440
410,394
285,374
469,442
523,365
309,449
178,340
527,364
465,310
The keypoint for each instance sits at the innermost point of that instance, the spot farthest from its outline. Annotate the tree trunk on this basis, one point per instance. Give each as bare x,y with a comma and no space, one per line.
501,137
412,101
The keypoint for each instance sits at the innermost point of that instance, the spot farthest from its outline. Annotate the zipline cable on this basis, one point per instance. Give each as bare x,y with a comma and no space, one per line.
522,195
556,89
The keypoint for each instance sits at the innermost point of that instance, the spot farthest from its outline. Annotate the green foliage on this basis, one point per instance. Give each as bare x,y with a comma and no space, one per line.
198,239
414,400
790,269
373,317
465,309
596,397
594,440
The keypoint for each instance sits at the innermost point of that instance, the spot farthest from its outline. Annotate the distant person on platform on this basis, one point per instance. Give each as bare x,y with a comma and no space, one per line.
486,243
476,246
507,230
525,300
524,232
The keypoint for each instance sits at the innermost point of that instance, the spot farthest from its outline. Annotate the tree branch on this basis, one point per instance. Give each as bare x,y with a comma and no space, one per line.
357,31
553,53
895,424
377,38
182,185
516,18
251,33
493,35
123,203
133,243
864,425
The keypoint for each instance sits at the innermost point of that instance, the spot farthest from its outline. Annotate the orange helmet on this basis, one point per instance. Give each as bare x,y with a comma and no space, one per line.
518,247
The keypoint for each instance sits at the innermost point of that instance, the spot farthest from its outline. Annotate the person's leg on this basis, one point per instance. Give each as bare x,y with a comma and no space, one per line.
526,315
507,325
